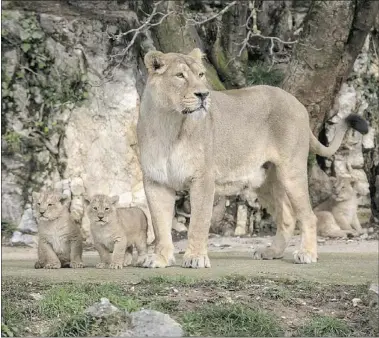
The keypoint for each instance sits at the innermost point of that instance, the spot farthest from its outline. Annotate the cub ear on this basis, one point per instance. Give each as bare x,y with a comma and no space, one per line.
35,196
197,54
87,200
115,199
154,62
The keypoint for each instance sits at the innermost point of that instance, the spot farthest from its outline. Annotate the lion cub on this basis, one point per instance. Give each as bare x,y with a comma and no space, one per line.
337,216
116,230
60,239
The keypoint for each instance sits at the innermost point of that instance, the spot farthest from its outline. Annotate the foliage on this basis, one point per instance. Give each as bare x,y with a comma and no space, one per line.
35,85
13,141
230,320
260,73
7,229
324,326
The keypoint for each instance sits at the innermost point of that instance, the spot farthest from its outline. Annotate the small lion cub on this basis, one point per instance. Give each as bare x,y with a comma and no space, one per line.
116,230
337,216
59,237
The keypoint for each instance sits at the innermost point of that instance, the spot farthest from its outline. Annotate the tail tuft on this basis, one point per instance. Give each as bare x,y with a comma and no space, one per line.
358,123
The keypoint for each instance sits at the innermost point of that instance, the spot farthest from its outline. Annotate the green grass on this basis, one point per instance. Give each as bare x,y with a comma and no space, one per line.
72,299
260,73
324,326
228,320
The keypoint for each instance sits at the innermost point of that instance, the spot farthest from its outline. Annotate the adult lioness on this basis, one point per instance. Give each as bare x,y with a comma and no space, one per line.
227,141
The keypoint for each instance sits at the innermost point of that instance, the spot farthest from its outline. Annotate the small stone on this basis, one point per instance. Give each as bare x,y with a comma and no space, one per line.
321,240
364,236
150,323
356,301
102,309
36,296
175,290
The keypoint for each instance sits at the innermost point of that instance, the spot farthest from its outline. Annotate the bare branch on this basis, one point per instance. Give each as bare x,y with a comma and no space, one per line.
197,23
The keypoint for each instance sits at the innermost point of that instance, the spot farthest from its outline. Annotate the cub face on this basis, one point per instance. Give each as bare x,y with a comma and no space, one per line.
49,204
100,208
343,189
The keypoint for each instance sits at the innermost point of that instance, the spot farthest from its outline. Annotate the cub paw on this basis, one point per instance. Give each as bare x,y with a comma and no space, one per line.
157,261
196,261
304,257
115,266
52,266
266,253
76,265
101,266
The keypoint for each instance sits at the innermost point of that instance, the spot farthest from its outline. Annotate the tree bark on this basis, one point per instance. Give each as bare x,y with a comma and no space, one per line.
225,54
312,74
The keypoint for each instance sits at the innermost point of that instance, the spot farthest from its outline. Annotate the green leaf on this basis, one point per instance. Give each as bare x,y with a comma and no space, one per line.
25,47
41,65
85,95
24,35
37,35
46,130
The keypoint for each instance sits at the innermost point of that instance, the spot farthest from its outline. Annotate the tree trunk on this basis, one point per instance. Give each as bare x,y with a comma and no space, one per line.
314,67
226,50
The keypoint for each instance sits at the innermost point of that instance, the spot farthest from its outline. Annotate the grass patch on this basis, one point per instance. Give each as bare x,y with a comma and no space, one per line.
230,321
324,326
73,299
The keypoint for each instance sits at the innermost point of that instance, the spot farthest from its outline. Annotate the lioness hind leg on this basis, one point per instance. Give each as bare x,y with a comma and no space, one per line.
161,201
128,259
296,186
285,225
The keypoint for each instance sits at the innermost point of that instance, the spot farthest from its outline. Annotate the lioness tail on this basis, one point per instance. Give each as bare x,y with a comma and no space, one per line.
352,121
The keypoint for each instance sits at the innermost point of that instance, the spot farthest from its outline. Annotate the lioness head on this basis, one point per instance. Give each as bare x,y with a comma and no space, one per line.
178,81
343,188
101,208
49,204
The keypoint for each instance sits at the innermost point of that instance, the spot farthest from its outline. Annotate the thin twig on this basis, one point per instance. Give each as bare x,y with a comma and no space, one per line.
194,22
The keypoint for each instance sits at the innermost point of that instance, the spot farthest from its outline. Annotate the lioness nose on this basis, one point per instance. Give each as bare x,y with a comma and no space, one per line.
202,95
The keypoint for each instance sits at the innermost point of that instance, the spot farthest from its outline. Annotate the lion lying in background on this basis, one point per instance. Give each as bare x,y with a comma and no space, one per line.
337,216
115,231
59,237
191,138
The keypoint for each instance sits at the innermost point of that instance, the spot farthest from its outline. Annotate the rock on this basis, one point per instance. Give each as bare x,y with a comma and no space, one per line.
102,309
374,294
18,238
178,226
364,236
320,185
241,227
28,223
150,323
356,301
76,186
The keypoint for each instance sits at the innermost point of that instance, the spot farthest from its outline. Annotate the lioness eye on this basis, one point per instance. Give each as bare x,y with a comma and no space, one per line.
94,208
180,75
106,209
38,204
201,74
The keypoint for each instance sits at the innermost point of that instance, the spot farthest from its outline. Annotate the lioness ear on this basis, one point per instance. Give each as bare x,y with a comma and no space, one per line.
154,62
197,54
115,199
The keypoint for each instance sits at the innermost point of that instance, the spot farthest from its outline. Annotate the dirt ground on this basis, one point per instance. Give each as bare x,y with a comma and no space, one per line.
340,261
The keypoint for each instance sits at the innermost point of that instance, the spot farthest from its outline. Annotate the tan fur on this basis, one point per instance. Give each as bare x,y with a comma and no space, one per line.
60,239
337,216
225,142
116,230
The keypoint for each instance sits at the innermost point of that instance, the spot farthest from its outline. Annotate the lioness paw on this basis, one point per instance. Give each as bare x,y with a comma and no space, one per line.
76,265
38,265
157,261
52,266
101,265
196,261
115,266
266,253
304,257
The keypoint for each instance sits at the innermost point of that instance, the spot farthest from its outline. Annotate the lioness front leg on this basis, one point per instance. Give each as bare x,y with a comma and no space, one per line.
76,254
105,257
161,201
118,255
47,258
201,198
